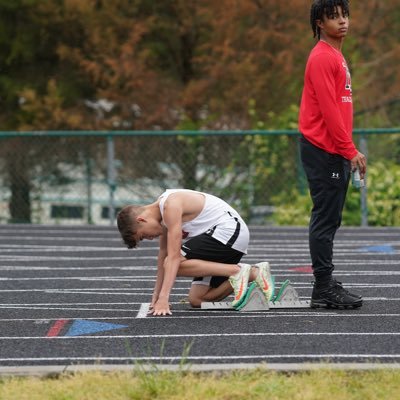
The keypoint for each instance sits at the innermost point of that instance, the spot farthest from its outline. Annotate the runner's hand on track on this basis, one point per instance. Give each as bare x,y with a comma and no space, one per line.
162,307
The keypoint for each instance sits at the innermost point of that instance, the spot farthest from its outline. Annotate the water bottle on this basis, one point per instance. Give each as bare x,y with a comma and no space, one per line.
356,179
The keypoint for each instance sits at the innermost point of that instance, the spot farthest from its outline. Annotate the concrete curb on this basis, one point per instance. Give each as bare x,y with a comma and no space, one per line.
54,370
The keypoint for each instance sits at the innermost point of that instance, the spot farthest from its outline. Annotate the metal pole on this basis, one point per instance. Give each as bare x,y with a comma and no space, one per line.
301,175
89,189
364,203
111,177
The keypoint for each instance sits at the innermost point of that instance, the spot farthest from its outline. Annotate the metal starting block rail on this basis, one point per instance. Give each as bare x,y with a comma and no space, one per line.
257,302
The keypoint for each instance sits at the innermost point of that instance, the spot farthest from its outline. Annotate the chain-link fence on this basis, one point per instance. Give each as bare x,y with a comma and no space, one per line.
86,177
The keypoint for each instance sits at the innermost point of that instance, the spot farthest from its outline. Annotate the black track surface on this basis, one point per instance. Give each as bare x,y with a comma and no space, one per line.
58,285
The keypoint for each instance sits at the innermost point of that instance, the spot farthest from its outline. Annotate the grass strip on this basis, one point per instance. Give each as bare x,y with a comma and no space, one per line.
257,384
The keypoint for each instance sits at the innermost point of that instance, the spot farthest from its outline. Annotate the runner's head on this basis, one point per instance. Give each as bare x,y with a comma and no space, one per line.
127,224
136,223
321,9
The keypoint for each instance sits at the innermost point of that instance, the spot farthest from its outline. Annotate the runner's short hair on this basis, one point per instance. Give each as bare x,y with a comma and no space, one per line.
127,225
322,8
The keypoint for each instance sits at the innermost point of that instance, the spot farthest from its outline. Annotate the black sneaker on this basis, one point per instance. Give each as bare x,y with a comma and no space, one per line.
334,296
357,296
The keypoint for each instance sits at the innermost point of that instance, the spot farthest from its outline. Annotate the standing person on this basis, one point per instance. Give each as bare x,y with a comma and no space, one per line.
214,238
327,150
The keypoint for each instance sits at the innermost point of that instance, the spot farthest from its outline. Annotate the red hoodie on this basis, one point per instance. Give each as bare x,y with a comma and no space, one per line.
326,110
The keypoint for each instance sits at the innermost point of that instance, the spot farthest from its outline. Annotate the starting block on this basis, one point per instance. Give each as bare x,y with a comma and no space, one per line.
287,297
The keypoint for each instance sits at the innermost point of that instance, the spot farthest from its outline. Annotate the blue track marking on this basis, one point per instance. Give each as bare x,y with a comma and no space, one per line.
385,248
82,327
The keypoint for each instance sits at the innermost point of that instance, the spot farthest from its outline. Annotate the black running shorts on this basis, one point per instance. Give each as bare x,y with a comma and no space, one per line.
205,247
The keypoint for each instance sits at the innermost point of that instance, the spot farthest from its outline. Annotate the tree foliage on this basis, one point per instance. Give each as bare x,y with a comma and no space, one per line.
161,61
198,64
383,185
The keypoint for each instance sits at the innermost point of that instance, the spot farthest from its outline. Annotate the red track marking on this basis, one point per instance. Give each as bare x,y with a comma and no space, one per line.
307,269
56,328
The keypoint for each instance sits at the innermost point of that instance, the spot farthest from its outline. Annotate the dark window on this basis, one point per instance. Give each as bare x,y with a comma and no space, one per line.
105,212
67,212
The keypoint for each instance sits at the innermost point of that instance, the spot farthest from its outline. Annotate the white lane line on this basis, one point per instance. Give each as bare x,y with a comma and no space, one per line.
276,249
74,249
287,250
151,278
339,242
195,310
275,263
58,258
293,273
67,309
149,293
112,292
341,234
48,320
72,290
206,335
255,231
215,315
144,309
73,237
283,256
65,250
70,247
299,285
218,357
77,304
51,268
52,230
295,260
280,246
129,278
299,258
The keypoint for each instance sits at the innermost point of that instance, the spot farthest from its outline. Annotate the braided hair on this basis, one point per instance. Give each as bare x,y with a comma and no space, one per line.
321,8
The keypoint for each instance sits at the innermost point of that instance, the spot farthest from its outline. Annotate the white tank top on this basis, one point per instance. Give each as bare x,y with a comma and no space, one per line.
218,218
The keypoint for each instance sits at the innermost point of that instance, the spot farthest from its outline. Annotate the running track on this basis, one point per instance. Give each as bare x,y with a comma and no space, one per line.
76,296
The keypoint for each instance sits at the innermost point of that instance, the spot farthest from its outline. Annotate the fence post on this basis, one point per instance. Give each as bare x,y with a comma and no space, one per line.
301,176
111,178
89,196
364,203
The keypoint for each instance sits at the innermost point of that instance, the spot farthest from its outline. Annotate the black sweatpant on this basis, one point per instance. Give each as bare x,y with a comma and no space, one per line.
328,177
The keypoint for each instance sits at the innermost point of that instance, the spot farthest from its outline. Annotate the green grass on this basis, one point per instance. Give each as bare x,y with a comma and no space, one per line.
257,384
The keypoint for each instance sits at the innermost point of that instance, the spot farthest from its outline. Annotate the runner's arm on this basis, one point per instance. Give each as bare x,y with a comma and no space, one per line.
162,254
173,210
322,72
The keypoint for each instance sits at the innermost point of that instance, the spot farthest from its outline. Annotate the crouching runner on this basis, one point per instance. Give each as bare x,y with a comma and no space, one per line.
201,236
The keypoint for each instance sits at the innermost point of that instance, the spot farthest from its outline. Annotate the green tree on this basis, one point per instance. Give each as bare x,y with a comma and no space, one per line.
179,64
383,201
